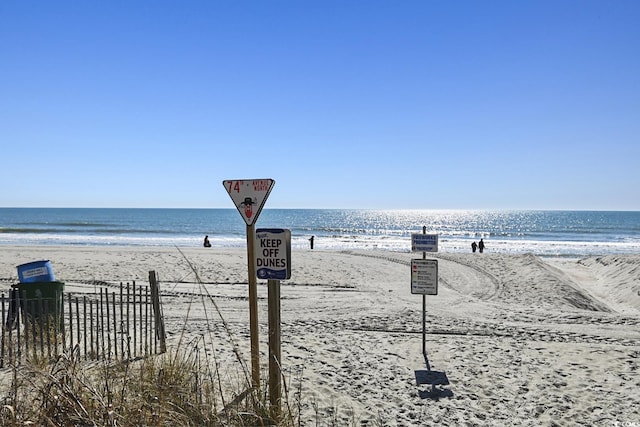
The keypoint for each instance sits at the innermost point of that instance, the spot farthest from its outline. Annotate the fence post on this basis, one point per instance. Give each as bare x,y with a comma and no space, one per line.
46,329
128,317
147,335
4,326
141,322
101,323
60,322
157,311
135,341
91,327
32,322
70,323
108,317
78,323
121,328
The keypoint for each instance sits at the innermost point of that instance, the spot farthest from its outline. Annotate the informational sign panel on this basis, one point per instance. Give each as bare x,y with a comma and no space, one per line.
424,276
249,196
273,253
424,242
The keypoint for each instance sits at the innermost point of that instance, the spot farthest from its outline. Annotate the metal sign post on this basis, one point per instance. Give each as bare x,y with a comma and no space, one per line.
249,196
424,277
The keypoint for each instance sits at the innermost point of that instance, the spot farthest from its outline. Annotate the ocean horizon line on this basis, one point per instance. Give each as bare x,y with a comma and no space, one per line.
337,209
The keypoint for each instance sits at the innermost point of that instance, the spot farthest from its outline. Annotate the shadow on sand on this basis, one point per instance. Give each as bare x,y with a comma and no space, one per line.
433,380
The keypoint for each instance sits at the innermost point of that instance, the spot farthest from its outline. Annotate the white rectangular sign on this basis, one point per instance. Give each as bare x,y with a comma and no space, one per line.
424,276
273,253
424,242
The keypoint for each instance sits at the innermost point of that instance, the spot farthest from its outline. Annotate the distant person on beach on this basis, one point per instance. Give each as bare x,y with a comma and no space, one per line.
481,246
207,243
311,241
474,246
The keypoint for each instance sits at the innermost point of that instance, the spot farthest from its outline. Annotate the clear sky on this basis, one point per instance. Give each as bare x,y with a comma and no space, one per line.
408,104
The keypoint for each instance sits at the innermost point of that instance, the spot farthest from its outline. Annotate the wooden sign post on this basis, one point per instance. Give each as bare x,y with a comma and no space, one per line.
275,369
273,262
249,196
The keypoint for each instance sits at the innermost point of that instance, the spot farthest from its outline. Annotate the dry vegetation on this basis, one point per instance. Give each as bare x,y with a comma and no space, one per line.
171,389
180,387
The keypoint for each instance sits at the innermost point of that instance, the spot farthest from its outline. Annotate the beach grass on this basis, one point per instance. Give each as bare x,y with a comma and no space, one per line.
183,386
169,389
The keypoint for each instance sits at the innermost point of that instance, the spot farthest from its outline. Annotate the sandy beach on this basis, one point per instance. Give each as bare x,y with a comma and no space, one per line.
522,340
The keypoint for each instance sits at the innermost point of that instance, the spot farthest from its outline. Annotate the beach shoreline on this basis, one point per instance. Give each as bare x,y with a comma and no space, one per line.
522,340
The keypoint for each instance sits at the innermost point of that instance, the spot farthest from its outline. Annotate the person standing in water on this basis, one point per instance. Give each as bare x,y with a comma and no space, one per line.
481,246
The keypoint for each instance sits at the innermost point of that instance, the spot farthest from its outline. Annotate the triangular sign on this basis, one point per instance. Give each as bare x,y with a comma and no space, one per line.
249,196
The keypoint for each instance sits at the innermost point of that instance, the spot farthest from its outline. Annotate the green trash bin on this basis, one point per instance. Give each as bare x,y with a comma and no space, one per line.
37,299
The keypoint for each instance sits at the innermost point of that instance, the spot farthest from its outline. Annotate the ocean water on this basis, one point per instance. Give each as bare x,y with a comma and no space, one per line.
546,233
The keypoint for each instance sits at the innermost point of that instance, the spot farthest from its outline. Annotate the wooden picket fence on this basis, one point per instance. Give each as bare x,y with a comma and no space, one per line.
113,323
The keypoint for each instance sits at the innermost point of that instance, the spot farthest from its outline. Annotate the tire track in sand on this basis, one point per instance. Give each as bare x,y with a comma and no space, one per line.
461,277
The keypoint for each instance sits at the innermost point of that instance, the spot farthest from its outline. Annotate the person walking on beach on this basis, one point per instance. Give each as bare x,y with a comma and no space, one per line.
311,241
207,243
481,246
474,246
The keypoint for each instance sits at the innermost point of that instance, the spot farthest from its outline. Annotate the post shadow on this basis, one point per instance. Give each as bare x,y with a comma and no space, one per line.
434,379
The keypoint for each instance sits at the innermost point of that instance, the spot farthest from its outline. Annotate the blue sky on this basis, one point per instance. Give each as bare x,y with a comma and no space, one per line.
346,104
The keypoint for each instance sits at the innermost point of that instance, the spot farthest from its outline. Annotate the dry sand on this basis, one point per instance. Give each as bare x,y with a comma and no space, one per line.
522,340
